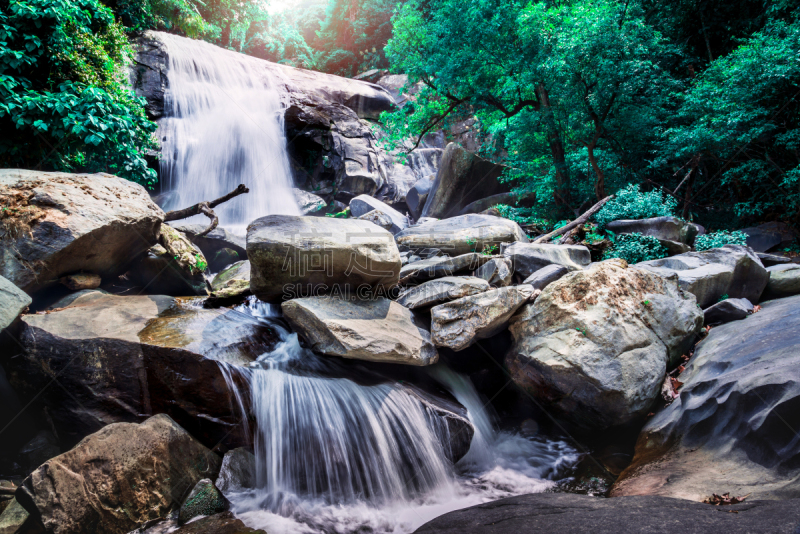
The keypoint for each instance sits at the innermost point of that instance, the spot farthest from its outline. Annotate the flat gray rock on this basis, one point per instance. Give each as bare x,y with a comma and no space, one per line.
527,258
309,203
784,281
13,302
728,310
541,278
460,323
732,270
663,228
377,218
462,234
377,330
564,513
441,290
439,266
733,427
497,272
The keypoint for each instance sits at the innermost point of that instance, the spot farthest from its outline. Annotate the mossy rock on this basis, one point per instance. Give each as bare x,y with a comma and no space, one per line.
205,499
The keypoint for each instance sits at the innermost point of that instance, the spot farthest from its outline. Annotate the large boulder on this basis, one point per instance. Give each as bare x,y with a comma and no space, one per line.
545,276
441,290
221,247
527,258
733,426
732,270
174,266
460,323
363,204
13,301
462,179
727,310
784,281
294,256
118,478
497,272
309,203
462,234
418,194
377,330
439,266
768,236
595,345
230,286
238,471
664,228
65,223
124,358
566,513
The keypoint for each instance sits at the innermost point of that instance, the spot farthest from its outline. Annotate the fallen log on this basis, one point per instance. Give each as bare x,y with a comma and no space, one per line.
205,208
577,222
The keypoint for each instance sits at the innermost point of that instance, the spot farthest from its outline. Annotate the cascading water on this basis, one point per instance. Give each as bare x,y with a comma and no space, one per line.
223,127
340,452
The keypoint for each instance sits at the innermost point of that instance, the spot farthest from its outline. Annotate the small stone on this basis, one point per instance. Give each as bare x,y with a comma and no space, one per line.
77,282
546,275
204,499
727,310
496,271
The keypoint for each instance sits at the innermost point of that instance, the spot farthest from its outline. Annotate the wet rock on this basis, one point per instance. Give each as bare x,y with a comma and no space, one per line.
462,234
664,228
363,204
545,276
118,478
730,428
71,223
295,256
462,179
238,471
441,290
220,246
204,499
497,272
732,270
81,281
230,286
377,218
418,194
13,518
527,258
784,281
377,330
38,450
13,301
455,430
309,203
595,345
224,523
439,266
728,310
563,513
460,323
123,358
174,266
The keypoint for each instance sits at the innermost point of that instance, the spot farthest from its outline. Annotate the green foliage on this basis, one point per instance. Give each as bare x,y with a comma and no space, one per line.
635,248
631,203
344,214
719,239
200,263
64,99
523,216
723,297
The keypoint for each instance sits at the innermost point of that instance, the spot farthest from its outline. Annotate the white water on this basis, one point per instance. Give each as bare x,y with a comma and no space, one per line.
223,127
337,456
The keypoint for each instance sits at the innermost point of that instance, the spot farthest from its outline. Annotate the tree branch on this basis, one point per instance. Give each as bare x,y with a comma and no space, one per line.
580,220
205,208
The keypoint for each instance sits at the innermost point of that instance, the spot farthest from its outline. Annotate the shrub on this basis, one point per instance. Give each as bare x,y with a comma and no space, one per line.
630,203
719,239
523,216
635,248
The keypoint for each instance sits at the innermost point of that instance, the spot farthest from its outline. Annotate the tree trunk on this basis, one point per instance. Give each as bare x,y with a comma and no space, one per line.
599,183
688,196
562,196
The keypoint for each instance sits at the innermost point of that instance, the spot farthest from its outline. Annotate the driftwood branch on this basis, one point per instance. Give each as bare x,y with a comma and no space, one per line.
205,208
580,220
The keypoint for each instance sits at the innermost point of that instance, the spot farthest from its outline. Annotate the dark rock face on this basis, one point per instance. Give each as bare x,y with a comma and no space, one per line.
13,301
148,74
95,223
563,513
238,471
732,270
224,523
768,236
418,194
728,310
124,358
118,478
462,179
204,499
731,428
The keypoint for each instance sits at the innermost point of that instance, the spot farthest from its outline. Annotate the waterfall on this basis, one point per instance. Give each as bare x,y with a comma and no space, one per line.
340,449
223,127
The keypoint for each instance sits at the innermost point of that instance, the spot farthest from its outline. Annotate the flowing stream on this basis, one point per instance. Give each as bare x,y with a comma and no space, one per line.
223,127
340,450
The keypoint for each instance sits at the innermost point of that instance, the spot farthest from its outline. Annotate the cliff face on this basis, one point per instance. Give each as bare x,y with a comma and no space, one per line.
329,126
